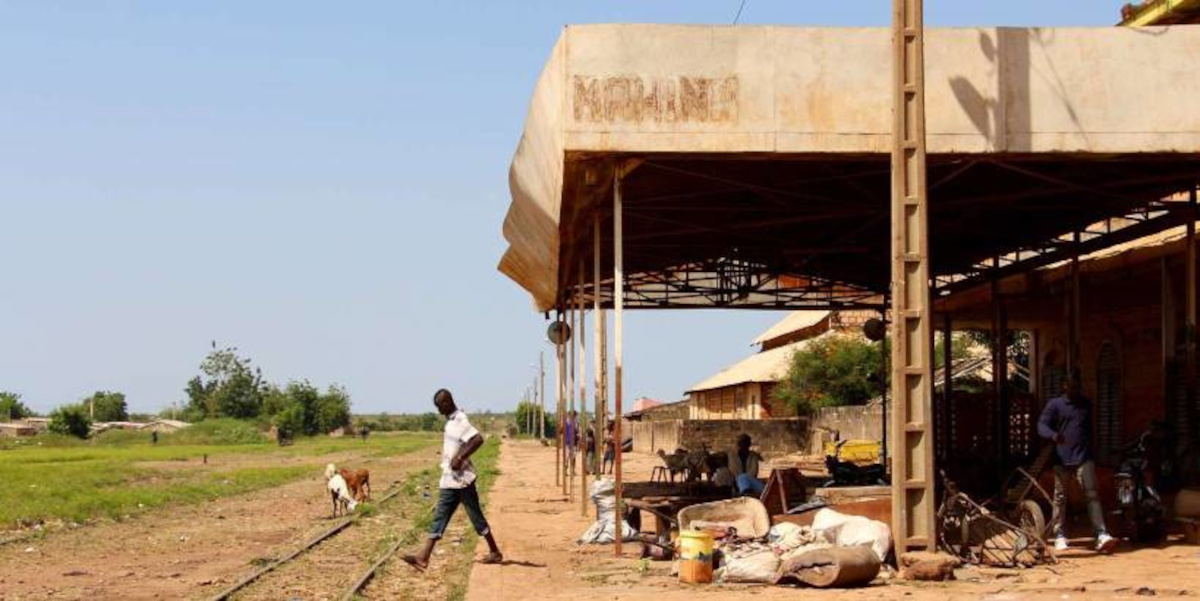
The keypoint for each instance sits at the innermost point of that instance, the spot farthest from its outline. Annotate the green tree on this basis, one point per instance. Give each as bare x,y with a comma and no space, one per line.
830,372
332,410
107,406
11,407
71,420
307,397
525,421
229,386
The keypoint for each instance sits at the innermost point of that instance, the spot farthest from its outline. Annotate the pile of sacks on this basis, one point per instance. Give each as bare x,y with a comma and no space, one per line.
837,550
603,530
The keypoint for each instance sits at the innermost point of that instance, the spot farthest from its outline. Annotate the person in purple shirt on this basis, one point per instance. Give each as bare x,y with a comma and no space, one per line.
1067,421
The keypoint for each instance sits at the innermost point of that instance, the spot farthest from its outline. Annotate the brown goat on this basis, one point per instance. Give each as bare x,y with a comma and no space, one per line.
359,482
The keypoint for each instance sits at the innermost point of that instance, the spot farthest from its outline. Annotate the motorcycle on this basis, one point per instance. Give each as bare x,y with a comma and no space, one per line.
848,473
1138,501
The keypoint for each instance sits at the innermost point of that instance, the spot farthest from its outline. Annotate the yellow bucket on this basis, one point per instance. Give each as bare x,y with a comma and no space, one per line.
695,557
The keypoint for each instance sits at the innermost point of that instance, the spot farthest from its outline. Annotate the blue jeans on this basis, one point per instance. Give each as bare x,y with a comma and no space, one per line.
1085,474
448,501
749,484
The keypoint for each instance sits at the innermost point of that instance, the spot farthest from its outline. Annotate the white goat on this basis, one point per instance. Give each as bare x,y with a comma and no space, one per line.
339,492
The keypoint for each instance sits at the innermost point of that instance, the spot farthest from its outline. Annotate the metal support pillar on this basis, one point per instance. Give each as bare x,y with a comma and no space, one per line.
1000,411
618,349
884,423
581,377
913,498
1073,318
559,477
569,443
605,383
943,414
1167,315
541,395
1192,414
1035,366
597,337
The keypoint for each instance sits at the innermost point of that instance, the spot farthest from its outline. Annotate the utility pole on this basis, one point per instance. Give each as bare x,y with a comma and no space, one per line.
913,497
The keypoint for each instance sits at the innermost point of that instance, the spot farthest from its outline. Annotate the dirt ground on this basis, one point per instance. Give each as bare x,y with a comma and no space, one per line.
536,527
183,552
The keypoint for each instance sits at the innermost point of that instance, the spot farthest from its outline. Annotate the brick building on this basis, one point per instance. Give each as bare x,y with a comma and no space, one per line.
743,390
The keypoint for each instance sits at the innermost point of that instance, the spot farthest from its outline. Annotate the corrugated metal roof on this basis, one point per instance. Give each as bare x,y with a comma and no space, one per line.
767,366
796,320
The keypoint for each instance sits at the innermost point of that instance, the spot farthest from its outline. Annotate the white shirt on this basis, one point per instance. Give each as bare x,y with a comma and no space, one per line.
458,432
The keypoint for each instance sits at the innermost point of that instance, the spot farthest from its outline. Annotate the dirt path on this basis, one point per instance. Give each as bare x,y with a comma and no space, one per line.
182,552
536,528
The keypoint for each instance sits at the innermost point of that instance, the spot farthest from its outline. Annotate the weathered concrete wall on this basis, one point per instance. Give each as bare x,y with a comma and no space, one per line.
772,438
783,89
649,437
858,422
671,411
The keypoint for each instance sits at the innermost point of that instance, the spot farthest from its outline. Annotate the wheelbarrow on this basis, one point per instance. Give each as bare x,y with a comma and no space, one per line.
1022,498
1009,529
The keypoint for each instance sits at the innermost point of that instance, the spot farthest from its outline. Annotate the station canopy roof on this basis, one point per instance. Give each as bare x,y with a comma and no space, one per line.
756,160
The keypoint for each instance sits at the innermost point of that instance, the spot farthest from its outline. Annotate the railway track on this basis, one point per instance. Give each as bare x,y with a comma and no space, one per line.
243,585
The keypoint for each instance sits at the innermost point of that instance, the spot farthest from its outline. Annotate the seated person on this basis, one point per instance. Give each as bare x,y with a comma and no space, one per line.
743,466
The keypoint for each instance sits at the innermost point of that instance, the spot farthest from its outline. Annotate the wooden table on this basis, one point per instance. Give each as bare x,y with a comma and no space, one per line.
664,500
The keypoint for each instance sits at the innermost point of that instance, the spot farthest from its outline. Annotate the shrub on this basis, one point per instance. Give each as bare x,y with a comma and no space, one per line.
223,431
290,421
71,420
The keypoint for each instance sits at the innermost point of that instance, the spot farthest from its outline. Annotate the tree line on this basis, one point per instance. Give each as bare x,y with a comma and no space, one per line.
228,386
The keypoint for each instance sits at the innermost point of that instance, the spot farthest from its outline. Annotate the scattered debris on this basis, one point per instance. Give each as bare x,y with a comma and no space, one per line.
923,565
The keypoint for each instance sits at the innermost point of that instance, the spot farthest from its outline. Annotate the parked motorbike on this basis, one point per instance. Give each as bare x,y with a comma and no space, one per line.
848,473
1139,503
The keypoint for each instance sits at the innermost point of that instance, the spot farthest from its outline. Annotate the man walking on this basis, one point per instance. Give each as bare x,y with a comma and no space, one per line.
1067,421
457,485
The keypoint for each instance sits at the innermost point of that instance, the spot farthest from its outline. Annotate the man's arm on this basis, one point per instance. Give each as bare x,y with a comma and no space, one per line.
466,451
1045,426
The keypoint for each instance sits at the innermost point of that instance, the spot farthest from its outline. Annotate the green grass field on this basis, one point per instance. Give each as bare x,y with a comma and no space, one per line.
78,481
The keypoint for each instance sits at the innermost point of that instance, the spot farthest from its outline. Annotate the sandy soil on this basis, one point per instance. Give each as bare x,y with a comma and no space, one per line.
536,526
181,552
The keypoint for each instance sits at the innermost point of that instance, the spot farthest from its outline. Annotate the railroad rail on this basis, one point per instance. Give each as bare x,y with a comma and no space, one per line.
316,540
370,573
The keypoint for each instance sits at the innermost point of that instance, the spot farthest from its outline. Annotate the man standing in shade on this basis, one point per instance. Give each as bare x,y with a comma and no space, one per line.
1067,420
457,485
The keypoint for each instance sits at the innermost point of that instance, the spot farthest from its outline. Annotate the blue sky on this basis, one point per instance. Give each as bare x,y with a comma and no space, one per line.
319,184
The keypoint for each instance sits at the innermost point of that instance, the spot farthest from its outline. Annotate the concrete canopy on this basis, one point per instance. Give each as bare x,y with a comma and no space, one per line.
760,155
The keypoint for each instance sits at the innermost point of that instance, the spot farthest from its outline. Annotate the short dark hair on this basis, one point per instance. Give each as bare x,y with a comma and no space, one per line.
442,395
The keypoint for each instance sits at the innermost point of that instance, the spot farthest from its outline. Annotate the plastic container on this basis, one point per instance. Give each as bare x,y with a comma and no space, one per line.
695,557
856,451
